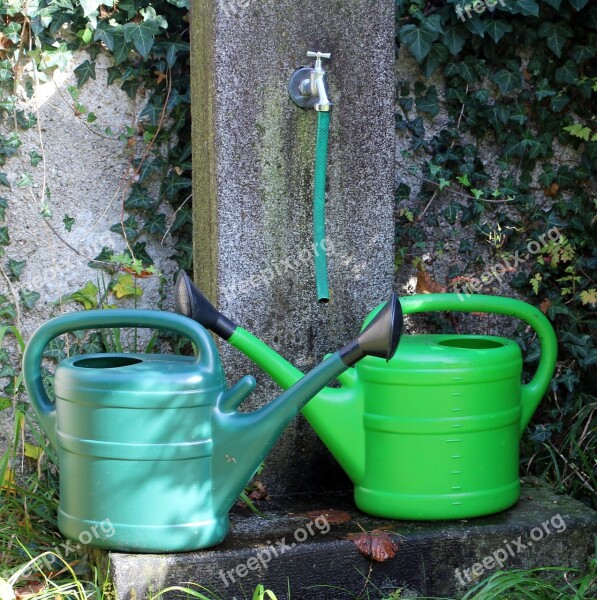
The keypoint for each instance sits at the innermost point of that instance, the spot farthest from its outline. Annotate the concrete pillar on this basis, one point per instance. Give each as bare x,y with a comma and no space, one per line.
253,176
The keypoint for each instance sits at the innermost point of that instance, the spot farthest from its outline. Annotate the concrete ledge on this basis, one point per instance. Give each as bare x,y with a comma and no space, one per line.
311,555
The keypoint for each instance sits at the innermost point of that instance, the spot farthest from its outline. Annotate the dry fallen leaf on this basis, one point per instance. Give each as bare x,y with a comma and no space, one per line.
375,544
259,492
544,306
426,284
29,590
332,516
552,190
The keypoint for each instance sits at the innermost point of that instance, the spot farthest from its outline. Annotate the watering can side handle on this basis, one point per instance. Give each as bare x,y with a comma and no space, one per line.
154,319
532,392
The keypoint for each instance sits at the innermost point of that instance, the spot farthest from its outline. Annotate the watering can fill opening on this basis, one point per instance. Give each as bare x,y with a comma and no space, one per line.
477,343
106,362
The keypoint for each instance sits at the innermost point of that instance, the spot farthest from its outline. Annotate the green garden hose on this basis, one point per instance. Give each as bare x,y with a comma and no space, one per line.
319,241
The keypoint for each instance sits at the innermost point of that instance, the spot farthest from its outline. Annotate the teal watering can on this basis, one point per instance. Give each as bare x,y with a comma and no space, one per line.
431,434
153,444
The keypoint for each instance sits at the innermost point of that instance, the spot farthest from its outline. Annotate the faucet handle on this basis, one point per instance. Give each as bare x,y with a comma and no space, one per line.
319,55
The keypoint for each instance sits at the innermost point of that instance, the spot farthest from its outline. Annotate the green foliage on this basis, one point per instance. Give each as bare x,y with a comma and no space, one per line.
519,84
149,44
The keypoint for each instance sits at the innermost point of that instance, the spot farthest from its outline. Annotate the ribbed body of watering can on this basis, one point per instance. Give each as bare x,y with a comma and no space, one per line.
433,433
442,421
153,444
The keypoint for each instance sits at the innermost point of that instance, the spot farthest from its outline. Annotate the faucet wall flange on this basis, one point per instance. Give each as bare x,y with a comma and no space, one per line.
299,88
308,85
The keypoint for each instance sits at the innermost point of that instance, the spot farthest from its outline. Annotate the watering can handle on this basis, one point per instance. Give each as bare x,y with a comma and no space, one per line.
532,392
207,358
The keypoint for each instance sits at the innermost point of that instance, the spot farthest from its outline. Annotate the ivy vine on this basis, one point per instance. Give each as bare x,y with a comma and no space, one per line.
149,46
517,81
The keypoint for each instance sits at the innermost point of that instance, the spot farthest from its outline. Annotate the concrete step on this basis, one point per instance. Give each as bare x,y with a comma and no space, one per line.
313,557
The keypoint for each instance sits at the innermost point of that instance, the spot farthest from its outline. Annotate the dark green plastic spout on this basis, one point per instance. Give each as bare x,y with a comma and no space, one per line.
243,440
331,410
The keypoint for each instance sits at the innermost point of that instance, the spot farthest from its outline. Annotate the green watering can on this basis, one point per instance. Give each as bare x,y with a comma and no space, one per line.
153,444
431,434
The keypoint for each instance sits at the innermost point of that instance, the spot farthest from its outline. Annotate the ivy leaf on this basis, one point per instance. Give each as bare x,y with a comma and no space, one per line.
142,34
556,35
125,286
102,260
582,53
180,3
182,217
90,6
567,73
528,8
4,237
543,90
130,86
25,181
130,6
429,103
497,28
87,296
35,158
4,180
149,167
476,26
6,72
418,39
9,145
13,32
578,4
138,199
454,39
15,267
174,183
57,57
173,49
29,298
121,49
3,207
507,80
68,222
153,110
554,3
156,225
94,345
84,72
104,34
590,17
128,228
467,69
559,102
437,56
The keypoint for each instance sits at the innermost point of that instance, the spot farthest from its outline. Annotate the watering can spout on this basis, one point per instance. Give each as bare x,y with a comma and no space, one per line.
334,413
243,440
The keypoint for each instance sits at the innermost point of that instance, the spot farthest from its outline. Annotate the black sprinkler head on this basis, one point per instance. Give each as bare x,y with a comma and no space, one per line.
380,338
190,302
